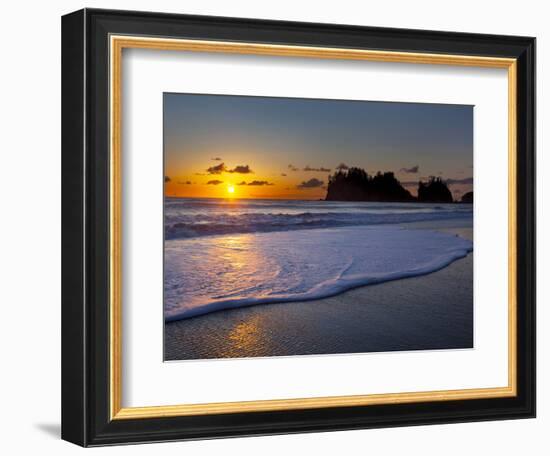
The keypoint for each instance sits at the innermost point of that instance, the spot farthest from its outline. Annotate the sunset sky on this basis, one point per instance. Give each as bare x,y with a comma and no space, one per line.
261,147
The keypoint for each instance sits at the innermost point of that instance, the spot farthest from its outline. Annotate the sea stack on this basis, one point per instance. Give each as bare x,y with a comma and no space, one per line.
434,191
356,185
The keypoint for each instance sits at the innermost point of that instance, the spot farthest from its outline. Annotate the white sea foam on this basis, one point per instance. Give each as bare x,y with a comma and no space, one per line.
206,274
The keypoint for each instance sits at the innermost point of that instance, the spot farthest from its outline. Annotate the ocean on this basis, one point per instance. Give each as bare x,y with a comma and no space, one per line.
227,253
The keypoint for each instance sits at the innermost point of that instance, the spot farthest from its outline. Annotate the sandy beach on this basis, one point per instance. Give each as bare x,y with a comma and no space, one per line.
428,312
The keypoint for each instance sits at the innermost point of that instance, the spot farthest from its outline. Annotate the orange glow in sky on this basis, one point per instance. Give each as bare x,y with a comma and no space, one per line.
251,185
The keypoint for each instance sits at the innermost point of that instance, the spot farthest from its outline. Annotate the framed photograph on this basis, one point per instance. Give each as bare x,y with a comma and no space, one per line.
278,227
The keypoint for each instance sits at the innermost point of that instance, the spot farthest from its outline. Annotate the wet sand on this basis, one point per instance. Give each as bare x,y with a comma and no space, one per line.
429,312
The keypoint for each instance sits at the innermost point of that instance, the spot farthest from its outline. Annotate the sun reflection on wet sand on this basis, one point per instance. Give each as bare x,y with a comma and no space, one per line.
246,335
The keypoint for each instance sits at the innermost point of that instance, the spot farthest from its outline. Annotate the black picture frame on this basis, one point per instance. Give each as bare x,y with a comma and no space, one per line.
85,224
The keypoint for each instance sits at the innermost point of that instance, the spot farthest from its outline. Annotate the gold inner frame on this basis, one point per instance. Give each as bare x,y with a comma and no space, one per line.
117,44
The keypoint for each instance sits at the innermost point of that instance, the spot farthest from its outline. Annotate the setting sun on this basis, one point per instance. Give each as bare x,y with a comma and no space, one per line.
231,189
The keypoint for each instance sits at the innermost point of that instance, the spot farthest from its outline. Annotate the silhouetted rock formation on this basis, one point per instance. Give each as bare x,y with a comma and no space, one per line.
356,185
467,198
434,191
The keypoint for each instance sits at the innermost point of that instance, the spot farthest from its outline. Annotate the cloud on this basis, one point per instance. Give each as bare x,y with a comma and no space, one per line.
241,169
292,168
256,182
185,183
320,169
167,179
342,167
221,168
218,159
283,174
312,183
218,169
466,180
214,182
411,170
